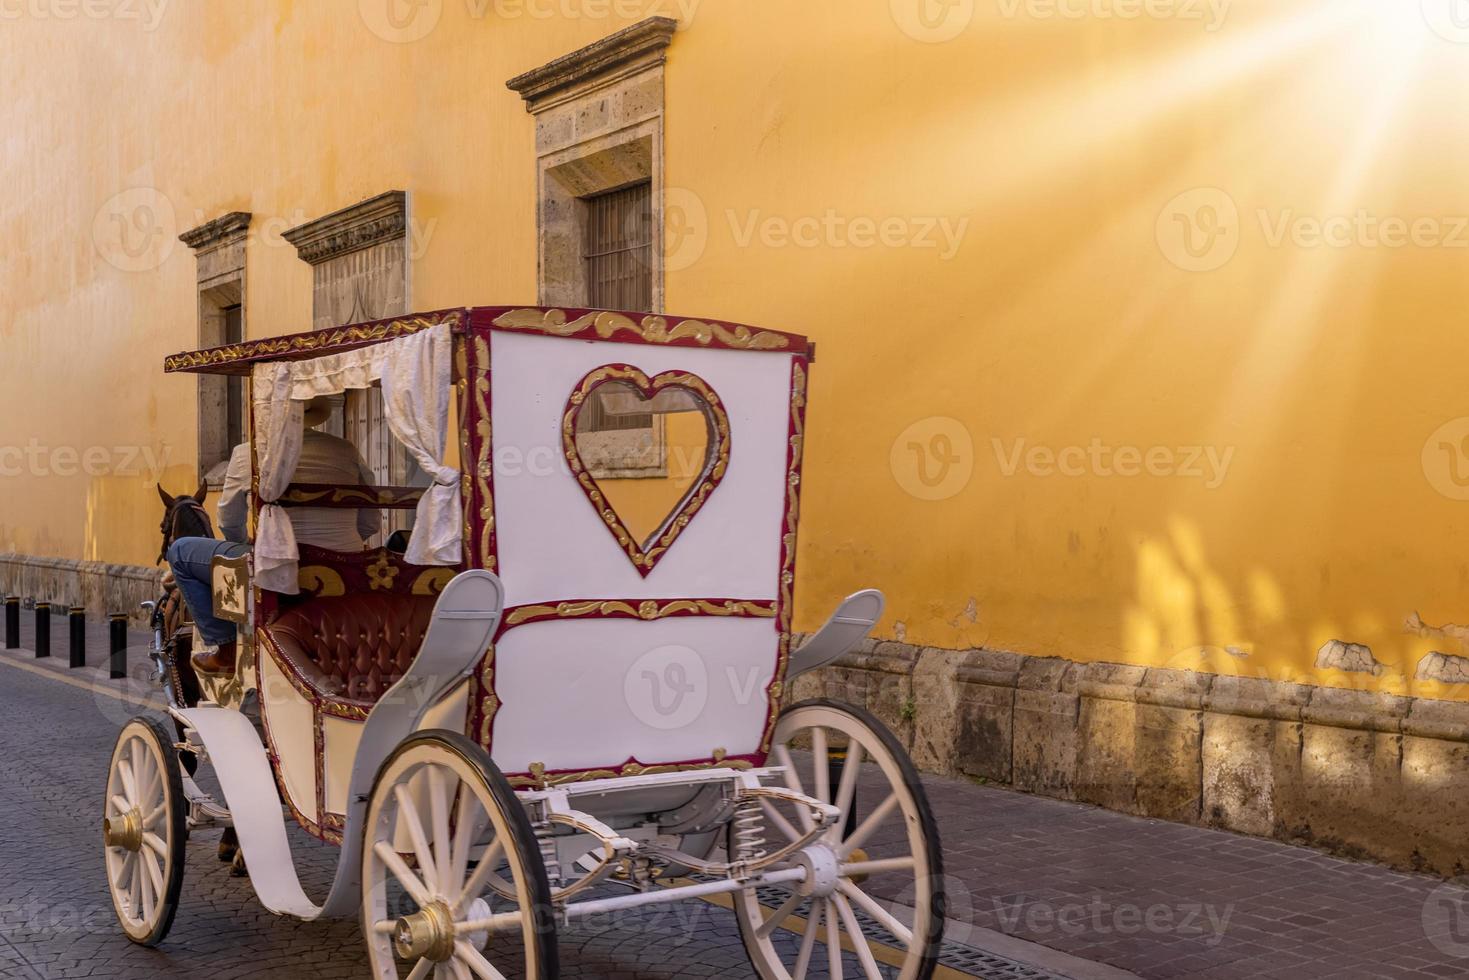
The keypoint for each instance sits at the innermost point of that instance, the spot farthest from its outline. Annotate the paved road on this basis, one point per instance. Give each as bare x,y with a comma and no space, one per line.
1080,892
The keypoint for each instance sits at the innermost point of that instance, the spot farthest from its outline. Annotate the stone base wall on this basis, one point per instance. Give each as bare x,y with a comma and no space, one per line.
1361,774
99,587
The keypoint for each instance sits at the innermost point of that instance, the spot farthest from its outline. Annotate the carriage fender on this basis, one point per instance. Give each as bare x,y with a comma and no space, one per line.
463,623
851,622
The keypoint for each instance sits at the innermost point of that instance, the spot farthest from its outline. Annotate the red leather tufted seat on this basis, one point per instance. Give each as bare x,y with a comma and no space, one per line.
354,647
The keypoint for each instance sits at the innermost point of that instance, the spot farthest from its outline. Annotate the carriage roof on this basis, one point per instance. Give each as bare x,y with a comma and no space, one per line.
579,324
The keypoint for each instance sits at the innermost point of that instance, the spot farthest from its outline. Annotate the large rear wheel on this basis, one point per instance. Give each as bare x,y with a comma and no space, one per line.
442,822
877,874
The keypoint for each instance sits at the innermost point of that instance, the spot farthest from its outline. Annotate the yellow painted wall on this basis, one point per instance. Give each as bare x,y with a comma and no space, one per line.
644,504
1065,155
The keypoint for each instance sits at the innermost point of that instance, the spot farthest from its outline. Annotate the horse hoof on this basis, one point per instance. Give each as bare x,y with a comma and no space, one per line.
229,845
237,866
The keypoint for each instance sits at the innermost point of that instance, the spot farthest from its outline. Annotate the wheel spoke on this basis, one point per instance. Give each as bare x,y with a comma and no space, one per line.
481,876
120,804
422,970
408,813
439,813
129,785
121,879
833,942
156,845
878,867
847,791
410,881
461,972
145,879
821,761
465,822
885,918
135,887
781,823
475,961
859,941
780,915
155,872
864,831
808,943
793,782
157,814
384,927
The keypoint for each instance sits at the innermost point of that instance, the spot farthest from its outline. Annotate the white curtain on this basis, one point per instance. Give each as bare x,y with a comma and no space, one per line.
278,430
416,379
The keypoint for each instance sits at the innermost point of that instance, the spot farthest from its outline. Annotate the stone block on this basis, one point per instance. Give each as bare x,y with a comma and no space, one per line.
1238,769
1045,720
1106,740
1167,763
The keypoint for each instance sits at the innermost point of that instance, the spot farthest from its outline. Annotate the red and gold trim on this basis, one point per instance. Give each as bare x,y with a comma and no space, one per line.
645,555
644,329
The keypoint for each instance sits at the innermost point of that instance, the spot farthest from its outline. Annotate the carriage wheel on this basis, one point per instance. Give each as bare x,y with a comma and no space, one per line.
144,830
441,822
892,819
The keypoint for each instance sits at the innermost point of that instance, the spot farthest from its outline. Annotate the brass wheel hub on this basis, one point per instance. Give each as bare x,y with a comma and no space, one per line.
125,831
426,934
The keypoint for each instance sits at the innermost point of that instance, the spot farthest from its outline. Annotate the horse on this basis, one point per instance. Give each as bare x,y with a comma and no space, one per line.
184,517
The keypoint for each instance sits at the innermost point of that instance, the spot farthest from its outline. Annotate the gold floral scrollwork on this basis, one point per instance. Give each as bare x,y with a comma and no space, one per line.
305,343
648,609
319,581
432,582
380,574
651,329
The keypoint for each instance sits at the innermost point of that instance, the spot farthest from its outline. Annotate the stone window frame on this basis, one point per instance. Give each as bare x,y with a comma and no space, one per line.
599,117
219,254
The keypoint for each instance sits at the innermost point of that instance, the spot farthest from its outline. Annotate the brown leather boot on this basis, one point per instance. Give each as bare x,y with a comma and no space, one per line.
221,661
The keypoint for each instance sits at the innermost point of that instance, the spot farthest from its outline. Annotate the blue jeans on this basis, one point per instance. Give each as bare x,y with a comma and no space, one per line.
191,560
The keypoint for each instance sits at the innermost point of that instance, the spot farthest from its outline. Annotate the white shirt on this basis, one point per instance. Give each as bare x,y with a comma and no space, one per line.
325,459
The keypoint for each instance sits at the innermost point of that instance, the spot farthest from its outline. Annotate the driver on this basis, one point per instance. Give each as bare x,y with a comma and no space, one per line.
325,458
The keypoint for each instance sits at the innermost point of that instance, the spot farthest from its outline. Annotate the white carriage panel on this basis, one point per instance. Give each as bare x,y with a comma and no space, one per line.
450,714
552,543
339,740
593,693
291,722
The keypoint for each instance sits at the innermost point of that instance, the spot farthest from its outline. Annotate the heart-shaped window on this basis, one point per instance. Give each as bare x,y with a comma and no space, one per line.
647,452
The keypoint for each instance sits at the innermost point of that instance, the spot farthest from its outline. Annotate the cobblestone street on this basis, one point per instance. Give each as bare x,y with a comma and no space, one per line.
1051,889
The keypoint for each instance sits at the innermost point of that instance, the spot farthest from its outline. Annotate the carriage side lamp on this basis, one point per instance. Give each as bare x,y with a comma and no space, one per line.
78,618
43,629
118,634
12,622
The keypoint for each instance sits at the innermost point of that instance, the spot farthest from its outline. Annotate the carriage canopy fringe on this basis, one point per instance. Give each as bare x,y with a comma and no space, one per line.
416,376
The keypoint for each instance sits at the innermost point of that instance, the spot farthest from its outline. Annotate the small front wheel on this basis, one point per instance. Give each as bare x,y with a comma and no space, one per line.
144,828
442,825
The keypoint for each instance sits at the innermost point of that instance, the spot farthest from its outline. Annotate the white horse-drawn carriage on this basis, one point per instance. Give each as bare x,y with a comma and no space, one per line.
567,695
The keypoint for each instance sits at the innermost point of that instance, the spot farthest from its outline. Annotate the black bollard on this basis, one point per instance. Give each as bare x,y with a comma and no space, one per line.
12,622
118,626
78,636
43,629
